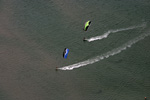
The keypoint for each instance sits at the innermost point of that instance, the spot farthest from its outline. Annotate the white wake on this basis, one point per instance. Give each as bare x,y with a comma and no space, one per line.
106,55
105,35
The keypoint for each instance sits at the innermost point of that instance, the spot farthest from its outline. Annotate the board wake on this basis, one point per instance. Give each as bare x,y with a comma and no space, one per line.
105,35
107,54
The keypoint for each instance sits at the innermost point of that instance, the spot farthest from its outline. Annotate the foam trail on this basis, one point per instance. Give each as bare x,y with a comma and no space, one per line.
106,55
105,35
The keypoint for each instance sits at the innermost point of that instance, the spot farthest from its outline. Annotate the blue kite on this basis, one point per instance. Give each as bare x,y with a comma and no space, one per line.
65,53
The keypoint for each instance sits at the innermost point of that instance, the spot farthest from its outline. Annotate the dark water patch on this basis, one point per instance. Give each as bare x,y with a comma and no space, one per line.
4,95
116,61
99,92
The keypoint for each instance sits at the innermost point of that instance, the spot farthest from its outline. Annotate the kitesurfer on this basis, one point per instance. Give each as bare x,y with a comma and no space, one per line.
56,69
84,39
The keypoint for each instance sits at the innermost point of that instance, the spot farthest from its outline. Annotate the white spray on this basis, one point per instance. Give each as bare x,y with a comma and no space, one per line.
106,55
105,35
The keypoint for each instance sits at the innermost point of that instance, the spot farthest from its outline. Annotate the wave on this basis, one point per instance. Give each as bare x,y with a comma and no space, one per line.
105,35
106,55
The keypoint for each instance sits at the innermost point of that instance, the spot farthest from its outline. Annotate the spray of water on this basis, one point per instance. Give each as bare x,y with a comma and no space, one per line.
105,35
106,55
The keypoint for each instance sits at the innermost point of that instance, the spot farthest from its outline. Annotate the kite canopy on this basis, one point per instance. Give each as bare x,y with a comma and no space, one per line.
87,24
65,53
